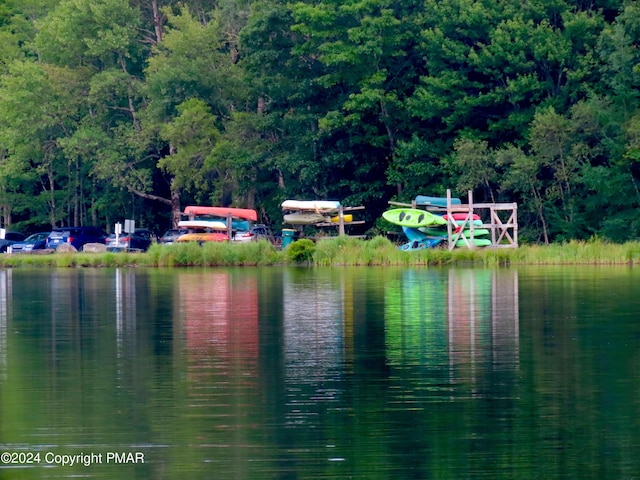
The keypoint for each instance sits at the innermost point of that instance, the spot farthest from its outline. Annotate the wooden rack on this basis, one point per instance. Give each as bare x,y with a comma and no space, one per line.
504,230
341,223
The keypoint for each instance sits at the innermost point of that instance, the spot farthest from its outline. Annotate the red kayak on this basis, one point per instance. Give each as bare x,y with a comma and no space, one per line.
244,213
461,216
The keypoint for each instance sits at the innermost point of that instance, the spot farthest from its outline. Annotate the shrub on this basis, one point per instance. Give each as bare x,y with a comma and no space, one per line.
301,250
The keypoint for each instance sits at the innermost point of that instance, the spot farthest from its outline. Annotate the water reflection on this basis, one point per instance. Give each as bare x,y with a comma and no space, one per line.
332,373
125,309
220,313
313,341
480,308
5,295
483,321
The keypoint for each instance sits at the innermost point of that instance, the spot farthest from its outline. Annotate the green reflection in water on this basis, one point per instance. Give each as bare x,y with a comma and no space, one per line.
369,373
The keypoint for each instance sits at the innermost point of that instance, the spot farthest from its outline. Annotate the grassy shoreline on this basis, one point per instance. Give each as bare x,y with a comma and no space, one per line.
334,252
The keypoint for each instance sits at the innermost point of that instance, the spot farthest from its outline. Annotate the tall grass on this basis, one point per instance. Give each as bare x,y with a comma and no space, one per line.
190,254
380,251
577,252
338,251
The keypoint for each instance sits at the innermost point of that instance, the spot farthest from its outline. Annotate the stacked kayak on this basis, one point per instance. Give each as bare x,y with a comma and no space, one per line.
425,229
412,218
309,212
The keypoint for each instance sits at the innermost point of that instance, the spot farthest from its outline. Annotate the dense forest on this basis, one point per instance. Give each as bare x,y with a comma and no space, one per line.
113,109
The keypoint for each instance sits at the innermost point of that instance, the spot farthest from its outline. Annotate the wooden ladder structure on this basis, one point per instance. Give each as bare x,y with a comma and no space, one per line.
503,221
504,231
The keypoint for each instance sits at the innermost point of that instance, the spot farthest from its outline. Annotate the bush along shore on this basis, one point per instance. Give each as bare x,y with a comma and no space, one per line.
337,251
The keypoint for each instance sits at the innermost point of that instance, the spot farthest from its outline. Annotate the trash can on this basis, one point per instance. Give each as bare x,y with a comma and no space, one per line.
287,236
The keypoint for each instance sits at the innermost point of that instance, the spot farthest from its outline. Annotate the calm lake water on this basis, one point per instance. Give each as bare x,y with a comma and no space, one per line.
363,373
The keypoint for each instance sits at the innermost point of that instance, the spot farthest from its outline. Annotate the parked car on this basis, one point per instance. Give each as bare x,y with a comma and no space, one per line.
76,236
263,231
243,236
256,232
10,238
37,241
171,235
140,239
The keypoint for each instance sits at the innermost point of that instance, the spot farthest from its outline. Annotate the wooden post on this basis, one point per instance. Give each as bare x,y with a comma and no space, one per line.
470,243
341,221
449,220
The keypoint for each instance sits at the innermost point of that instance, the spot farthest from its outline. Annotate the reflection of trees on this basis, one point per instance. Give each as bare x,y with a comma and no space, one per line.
80,373
483,321
583,359
5,296
453,320
452,346
313,341
362,373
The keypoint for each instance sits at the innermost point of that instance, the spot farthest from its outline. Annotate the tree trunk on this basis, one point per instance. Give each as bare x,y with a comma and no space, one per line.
176,210
384,117
76,196
157,21
52,198
280,179
493,198
538,198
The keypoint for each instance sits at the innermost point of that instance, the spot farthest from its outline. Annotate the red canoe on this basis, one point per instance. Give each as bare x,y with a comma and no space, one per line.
244,213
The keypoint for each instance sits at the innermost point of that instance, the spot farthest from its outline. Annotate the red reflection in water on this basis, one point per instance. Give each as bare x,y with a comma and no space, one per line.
221,315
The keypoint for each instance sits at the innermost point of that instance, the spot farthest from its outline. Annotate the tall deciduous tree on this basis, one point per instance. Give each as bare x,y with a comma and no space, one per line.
40,105
191,63
522,178
474,168
193,136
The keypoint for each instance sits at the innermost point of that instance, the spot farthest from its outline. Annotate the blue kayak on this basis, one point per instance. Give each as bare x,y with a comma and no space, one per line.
435,201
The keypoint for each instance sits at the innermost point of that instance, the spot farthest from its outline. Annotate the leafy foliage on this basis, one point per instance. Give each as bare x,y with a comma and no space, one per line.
116,107
301,250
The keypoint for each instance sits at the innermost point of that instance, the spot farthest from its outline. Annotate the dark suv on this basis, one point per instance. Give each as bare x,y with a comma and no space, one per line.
9,239
76,236
140,240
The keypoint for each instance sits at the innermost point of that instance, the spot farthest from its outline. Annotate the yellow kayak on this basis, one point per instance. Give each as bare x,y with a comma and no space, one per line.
203,237
345,218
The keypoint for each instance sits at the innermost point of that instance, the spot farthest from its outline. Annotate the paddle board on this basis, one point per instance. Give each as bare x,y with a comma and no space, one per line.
435,201
300,218
409,217
312,205
244,213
